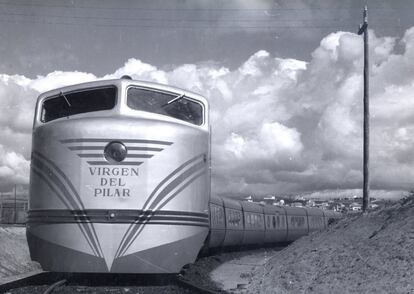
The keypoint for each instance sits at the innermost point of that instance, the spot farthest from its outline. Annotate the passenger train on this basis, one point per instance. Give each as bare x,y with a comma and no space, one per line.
120,182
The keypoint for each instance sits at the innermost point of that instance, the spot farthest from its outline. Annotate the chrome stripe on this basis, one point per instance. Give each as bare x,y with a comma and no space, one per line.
139,155
119,212
159,222
81,227
136,220
134,230
171,186
136,163
95,155
176,171
49,177
38,172
87,140
86,147
135,148
91,155
49,172
182,188
144,148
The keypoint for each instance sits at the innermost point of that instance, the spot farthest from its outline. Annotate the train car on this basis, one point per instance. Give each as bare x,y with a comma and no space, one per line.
119,178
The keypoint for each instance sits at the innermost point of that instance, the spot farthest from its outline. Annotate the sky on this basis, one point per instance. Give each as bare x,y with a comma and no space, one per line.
284,80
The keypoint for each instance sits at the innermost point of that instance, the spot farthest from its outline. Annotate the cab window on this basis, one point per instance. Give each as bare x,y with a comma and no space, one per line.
75,102
173,105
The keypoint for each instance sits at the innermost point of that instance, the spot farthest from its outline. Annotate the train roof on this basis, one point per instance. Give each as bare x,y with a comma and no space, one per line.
269,209
295,210
216,200
314,211
123,83
231,203
251,207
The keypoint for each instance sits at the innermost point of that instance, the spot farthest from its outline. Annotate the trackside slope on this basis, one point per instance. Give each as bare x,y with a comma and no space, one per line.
14,253
371,253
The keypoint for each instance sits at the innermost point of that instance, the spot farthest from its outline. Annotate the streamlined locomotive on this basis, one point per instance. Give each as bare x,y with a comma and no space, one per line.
119,178
120,182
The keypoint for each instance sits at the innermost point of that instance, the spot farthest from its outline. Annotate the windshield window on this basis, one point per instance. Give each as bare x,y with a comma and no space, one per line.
179,107
67,104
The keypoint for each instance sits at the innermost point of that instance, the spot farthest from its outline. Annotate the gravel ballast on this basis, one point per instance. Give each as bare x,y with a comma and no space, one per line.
14,253
372,253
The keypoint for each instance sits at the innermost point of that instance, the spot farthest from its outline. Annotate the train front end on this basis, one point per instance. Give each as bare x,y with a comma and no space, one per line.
120,178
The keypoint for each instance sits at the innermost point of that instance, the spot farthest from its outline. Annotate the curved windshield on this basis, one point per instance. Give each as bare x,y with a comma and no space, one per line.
176,106
75,102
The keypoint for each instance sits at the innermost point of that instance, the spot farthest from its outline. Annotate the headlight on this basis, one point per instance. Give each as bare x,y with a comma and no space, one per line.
115,152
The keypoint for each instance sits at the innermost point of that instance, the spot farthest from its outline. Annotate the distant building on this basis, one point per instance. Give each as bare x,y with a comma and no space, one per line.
249,198
296,204
373,205
269,199
281,202
355,206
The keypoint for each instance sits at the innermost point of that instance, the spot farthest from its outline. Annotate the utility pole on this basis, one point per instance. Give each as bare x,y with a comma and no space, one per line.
15,204
1,207
363,29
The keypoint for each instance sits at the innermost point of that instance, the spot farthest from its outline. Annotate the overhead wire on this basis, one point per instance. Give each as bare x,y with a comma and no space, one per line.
221,23
138,18
276,9
169,27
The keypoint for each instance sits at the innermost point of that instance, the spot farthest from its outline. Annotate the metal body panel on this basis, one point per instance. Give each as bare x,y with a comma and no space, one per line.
275,224
297,223
217,223
315,219
234,222
254,226
121,213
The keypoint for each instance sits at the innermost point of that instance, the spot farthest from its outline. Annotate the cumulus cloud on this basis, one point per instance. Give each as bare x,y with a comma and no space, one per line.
280,125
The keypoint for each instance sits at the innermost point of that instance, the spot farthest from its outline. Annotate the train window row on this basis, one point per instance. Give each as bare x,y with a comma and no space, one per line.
216,215
275,222
316,222
297,221
254,220
234,218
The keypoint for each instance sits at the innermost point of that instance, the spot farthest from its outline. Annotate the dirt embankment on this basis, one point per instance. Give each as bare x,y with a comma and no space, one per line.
14,253
371,253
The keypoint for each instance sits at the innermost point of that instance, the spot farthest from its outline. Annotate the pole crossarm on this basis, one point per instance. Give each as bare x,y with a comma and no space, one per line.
362,28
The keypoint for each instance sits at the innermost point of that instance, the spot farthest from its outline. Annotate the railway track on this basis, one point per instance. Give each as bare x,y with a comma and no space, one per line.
47,283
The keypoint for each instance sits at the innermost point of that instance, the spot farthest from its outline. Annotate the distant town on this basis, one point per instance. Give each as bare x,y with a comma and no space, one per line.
345,204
